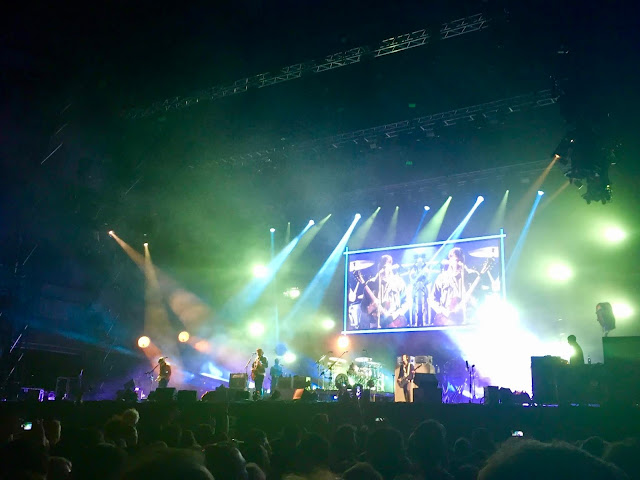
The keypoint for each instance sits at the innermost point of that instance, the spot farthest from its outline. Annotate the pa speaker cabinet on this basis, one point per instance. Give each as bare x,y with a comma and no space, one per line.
164,394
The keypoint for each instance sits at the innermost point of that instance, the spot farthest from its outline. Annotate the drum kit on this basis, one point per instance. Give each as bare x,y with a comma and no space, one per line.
362,371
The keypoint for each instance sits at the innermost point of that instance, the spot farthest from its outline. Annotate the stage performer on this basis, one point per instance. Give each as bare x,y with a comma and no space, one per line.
406,374
165,372
384,303
577,355
258,371
276,373
452,294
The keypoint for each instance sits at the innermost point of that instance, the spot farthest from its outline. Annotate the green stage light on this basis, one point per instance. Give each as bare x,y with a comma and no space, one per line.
289,357
559,272
260,271
622,310
256,329
328,324
614,234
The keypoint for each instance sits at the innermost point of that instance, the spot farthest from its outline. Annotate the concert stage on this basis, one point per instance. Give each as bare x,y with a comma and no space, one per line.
544,423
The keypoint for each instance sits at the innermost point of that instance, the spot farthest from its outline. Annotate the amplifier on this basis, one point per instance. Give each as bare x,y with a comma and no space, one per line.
238,381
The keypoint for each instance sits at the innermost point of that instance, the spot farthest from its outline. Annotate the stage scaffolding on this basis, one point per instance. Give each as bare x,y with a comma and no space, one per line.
400,43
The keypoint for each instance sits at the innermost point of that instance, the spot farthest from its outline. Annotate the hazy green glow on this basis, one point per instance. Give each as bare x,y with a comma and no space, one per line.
390,235
328,324
497,221
431,230
358,238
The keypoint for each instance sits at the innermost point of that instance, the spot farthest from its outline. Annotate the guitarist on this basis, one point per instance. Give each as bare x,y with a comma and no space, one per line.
452,291
258,370
384,301
406,374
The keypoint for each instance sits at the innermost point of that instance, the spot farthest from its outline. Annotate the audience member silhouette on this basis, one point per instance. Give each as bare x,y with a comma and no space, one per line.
225,462
530,459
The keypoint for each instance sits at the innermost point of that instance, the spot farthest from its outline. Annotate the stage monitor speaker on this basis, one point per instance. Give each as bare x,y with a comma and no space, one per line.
431,394
164,394
491,395
238,381
187,396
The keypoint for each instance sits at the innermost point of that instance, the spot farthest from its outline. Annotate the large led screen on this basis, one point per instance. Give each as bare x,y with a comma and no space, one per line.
424,286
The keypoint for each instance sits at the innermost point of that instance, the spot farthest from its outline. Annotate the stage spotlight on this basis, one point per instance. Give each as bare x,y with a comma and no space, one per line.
256,329
480,199
312,223
272,230
343,342
183,336
260,271
540,192
427,208
145,245
358,216
614,234
559,272
289,357
622,310
144,341
328,324
292,293
111,233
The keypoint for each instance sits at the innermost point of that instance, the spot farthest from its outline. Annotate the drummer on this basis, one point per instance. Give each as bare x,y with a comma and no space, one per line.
353,369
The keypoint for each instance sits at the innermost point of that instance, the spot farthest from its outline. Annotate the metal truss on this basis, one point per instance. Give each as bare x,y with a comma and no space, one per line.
388,46
526,169
426,125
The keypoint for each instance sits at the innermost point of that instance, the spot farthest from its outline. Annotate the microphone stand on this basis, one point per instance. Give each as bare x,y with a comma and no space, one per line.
472,389
330,367
246,370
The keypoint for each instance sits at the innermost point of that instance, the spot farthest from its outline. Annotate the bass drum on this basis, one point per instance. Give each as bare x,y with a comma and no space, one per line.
342,381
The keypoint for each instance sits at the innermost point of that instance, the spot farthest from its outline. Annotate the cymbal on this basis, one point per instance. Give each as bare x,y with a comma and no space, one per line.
485,252
363,359
359,265
337,360
375,364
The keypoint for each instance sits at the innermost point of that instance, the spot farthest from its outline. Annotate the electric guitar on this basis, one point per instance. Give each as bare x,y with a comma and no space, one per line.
457,305
258,368
386,317
403,381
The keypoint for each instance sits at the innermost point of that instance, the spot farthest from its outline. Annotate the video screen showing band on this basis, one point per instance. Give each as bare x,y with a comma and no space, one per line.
422,287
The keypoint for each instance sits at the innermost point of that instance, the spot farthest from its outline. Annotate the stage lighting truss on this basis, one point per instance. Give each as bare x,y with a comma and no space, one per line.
426,124
584,159
388,46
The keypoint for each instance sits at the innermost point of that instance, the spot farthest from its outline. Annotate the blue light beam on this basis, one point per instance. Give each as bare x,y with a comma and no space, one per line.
517,250
249,295
314,292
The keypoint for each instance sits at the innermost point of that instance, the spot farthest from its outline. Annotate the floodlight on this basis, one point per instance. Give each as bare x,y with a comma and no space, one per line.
145,244
480,199
427,208
559,272
540,192
328,324
260,271
343,342
111,233
614,234
144,341
256,329
311,222
183,336
358,216
272,230
289,357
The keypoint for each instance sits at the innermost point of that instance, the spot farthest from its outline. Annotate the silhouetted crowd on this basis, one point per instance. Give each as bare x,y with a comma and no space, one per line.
122,449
